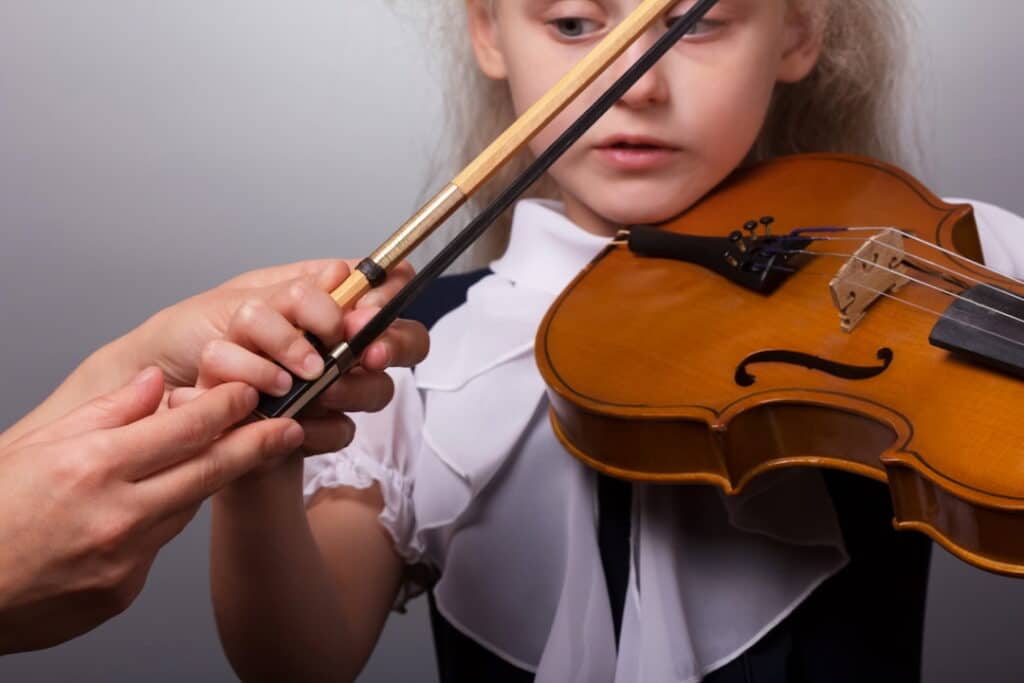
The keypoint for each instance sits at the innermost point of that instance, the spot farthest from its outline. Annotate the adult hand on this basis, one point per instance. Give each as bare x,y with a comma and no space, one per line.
88,500
174,339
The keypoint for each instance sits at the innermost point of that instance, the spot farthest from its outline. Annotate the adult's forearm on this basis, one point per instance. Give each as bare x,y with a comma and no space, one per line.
278,612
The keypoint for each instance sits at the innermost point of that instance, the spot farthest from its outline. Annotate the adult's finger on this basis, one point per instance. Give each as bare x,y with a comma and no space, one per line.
165,527
266,277
132,402
165,438
182,395
226,459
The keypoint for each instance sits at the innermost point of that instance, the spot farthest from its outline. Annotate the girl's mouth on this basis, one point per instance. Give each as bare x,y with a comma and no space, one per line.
635,153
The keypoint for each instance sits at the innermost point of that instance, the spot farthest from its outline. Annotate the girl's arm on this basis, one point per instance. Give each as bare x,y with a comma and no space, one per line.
300,597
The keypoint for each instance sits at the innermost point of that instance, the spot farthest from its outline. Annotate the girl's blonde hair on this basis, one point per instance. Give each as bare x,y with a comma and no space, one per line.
847,104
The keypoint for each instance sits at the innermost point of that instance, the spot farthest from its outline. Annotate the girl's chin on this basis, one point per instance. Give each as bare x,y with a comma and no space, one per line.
640,212
641,202
602,206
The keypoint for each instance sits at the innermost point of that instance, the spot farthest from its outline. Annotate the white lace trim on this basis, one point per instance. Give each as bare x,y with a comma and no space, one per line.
361,471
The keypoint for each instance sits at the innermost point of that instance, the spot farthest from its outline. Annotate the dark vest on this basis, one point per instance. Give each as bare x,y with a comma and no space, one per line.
866,623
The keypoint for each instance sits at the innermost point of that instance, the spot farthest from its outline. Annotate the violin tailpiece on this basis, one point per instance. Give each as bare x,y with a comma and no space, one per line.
758,263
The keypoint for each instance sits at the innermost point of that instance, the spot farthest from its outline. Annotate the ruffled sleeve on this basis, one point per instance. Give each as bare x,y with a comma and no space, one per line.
384,451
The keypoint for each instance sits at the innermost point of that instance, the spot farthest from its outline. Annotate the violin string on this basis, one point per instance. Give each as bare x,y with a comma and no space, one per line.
929,286
945,272
914,238
973,279
910,278
895,297
953,254
911,262
950,276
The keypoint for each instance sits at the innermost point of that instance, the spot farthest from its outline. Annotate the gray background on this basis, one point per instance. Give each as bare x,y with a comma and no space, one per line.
149,150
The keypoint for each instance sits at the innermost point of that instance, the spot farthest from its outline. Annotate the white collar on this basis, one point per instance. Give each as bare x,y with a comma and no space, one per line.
483,349
546,250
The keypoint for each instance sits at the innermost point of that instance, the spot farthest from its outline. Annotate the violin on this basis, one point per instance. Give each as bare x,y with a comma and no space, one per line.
812,311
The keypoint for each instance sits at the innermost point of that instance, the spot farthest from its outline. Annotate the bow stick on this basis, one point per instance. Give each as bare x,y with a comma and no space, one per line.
373,270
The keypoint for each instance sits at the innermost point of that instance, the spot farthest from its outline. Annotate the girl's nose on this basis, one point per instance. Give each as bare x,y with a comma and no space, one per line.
652,88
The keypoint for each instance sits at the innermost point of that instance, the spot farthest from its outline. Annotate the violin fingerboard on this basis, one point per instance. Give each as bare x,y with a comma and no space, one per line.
984,325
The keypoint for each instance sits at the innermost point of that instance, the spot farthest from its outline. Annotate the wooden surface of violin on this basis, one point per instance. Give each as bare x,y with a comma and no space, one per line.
706,370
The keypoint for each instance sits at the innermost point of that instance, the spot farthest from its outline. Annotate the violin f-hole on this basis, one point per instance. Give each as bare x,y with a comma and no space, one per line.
811,362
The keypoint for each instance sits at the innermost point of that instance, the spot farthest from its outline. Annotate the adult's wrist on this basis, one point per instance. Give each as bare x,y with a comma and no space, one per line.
112,366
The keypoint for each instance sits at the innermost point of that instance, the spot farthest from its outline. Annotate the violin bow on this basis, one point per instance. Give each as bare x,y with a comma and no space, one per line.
372,270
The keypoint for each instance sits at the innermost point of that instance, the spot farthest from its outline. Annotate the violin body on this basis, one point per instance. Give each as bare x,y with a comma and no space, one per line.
661,370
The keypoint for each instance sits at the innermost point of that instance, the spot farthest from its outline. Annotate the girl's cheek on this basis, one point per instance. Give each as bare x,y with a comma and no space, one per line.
740,101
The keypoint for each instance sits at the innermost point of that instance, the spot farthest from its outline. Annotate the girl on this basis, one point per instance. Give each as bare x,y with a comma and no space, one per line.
536,567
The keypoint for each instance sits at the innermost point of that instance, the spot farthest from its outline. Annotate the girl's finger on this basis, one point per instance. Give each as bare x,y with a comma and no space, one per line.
310,308
404,344
397,278
359,390
332,275
327,434
258,327
222,361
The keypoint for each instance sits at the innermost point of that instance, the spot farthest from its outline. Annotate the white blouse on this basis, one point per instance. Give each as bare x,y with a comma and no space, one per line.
477,487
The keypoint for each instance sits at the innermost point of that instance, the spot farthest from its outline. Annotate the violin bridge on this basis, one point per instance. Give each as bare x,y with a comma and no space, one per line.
875,269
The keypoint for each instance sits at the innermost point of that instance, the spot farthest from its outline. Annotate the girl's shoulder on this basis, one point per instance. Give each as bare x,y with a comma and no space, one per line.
443,295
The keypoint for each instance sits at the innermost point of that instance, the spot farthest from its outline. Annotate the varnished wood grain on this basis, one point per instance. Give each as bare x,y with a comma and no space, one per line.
640,355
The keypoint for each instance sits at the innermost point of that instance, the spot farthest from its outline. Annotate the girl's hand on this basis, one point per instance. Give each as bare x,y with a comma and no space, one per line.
176,338
264,330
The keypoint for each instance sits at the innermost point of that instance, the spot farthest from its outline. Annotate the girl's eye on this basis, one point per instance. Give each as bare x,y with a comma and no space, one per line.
574,27
701,28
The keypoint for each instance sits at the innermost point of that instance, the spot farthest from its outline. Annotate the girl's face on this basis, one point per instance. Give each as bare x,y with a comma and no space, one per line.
680,130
